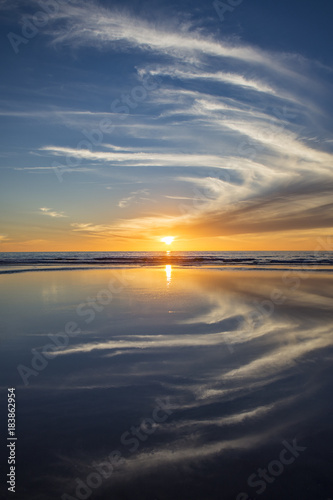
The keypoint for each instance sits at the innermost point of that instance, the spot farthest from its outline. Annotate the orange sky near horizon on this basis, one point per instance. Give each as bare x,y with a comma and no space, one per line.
317,240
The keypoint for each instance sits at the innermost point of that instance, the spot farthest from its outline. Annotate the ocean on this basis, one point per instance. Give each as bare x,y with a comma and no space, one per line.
36,261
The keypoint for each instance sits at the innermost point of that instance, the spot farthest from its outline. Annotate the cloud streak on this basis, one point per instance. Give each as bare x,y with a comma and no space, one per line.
52,213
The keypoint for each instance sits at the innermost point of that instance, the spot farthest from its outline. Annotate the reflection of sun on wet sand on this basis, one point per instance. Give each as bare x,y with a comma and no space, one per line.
168,274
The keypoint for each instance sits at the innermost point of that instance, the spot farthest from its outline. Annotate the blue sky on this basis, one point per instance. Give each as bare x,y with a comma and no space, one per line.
123,122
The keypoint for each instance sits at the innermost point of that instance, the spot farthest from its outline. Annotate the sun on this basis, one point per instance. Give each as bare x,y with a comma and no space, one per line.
168,239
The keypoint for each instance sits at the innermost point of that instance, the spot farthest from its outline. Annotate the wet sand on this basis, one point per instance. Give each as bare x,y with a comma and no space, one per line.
169,383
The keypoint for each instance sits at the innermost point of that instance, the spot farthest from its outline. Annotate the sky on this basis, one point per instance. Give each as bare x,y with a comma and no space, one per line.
122,123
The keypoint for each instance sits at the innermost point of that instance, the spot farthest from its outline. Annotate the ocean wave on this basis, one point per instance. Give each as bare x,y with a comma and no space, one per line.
36,261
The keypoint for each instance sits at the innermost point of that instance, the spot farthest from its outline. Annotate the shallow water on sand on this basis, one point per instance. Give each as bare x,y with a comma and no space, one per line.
164,383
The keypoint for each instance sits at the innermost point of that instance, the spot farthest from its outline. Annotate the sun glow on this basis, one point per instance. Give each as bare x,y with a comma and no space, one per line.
168,239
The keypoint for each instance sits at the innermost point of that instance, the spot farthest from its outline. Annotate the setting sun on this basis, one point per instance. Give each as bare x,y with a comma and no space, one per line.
168,239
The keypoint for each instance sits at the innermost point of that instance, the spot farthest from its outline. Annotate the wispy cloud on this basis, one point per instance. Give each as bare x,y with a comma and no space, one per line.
220,76
138,158
52,213
135,196
90,24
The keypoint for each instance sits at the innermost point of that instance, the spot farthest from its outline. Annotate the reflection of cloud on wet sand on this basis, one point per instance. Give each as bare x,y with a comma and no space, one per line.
173,340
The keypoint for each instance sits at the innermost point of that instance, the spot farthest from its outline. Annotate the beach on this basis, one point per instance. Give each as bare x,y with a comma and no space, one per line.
170,382
166,250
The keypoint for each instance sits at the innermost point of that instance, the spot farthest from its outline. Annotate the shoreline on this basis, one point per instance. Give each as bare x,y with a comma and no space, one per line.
315,268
